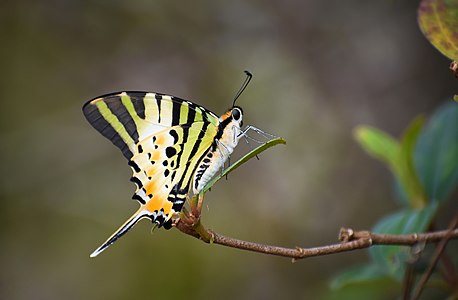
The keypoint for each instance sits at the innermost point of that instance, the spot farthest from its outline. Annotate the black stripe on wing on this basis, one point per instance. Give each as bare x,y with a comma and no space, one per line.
92,114
118,109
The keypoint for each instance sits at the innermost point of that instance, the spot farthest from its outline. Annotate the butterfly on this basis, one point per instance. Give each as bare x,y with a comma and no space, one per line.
173,146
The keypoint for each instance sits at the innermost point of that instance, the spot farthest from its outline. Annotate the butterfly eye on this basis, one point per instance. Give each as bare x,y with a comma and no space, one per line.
236,114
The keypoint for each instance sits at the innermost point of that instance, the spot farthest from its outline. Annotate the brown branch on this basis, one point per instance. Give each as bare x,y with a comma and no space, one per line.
350,240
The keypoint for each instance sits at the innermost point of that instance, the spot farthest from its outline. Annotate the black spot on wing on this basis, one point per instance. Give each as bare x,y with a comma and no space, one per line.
170,151
167,225
134,166
174,134
136,181
139,199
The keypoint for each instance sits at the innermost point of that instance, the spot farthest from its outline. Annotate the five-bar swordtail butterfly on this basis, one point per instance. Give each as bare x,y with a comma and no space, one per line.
173,146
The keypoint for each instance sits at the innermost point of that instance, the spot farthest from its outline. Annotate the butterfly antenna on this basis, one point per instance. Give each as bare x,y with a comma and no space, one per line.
243,87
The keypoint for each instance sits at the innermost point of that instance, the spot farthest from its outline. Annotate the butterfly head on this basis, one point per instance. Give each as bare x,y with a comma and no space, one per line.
233,117
230,126
237,115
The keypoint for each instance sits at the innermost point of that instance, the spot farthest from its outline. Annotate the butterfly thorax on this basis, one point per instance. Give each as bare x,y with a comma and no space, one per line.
223,145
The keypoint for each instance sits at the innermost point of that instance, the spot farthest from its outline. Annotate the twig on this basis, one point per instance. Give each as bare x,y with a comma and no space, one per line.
351,240
449,272
409,275
437,254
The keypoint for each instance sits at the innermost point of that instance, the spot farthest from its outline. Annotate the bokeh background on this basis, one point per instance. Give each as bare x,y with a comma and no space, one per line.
320,69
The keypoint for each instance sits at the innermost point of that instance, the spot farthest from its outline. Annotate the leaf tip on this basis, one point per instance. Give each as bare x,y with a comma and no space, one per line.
359,132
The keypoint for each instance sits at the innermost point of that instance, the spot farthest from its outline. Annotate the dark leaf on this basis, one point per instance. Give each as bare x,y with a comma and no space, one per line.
436,153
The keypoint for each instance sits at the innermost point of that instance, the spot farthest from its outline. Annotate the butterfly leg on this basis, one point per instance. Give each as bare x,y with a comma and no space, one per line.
258,131
244,133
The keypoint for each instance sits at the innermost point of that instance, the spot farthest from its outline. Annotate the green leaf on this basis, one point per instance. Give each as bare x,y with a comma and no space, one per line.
244,159
399,193
405,166
438,20
392,258
378,144
373,290
397,156
436,153
358,274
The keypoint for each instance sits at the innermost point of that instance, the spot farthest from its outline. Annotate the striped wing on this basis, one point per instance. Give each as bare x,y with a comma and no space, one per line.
164,138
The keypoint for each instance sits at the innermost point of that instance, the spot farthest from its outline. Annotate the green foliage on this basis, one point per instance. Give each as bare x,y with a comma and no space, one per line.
378,144
436,153
358,274
364,282
398,156
425,165
438,20
391,259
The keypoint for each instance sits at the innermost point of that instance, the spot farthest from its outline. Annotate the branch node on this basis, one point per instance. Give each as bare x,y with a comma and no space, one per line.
301,251
370,241
346,234
212,236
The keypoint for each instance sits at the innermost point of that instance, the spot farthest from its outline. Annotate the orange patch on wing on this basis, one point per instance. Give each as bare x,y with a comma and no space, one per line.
155,155
160,140
151,172
151,187
159,202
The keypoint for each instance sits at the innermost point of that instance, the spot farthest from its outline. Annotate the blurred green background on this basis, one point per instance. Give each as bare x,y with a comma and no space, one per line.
320,68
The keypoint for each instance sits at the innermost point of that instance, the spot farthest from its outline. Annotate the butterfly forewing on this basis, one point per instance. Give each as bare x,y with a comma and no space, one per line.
127,117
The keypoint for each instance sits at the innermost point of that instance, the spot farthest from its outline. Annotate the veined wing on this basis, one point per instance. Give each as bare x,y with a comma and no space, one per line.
164,139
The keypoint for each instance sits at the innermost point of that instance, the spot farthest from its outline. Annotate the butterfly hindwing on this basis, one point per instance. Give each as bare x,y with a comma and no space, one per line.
164,165
164,139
